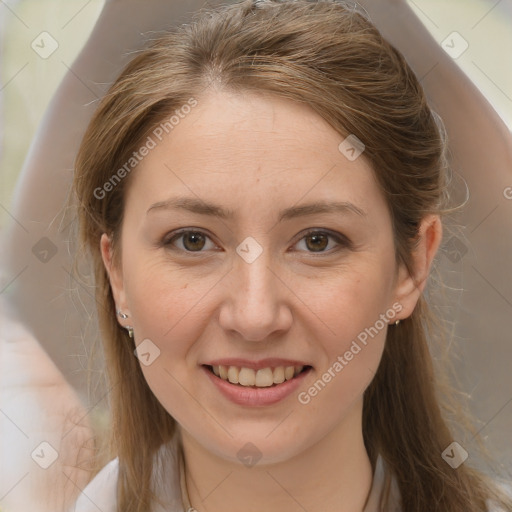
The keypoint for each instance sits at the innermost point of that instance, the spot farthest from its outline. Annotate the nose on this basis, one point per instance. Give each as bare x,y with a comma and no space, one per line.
256,301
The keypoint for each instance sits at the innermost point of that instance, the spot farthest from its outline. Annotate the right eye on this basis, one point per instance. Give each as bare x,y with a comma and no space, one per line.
191,241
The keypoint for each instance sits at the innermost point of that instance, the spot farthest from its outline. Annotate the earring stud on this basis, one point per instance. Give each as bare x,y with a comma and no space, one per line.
397,322
124,316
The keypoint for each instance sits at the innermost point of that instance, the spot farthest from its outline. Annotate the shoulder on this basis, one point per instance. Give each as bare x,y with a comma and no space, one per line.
100,493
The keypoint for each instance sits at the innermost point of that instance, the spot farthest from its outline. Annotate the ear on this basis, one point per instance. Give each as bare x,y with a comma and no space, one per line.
115,274
408,287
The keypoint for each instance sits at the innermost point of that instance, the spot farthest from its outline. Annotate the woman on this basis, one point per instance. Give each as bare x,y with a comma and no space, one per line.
270,373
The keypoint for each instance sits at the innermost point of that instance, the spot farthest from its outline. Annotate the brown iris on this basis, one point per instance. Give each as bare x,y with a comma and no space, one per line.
193,241
319,242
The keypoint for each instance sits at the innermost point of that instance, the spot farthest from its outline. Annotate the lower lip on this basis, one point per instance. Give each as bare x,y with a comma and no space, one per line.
245,395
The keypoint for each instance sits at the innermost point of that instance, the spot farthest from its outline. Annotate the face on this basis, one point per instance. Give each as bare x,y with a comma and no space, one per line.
232,262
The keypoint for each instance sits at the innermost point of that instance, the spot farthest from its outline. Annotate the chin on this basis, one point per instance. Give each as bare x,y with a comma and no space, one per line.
256,446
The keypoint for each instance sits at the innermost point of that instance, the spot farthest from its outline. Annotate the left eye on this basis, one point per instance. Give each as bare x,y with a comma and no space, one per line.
195,241
319,240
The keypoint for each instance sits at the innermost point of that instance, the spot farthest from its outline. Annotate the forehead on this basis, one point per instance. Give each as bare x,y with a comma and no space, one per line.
252,149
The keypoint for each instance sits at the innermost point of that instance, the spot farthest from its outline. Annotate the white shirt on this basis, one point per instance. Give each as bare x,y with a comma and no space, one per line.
100,493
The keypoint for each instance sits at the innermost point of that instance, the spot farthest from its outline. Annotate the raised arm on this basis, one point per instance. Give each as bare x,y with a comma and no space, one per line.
40,294
46,432
475,130
475,261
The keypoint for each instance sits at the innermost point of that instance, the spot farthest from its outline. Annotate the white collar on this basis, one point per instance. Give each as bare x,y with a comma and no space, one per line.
101,492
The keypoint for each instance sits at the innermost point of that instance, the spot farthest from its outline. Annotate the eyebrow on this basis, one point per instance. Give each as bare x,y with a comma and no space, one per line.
204,208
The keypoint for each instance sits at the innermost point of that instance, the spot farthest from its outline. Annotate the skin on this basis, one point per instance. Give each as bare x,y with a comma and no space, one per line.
256,155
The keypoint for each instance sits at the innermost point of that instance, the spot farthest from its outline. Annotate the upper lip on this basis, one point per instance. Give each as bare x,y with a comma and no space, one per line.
271,362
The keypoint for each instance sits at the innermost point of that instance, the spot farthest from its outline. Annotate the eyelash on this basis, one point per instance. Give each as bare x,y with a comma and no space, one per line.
340,239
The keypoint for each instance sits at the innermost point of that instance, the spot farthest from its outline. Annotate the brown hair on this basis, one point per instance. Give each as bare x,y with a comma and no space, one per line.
330,57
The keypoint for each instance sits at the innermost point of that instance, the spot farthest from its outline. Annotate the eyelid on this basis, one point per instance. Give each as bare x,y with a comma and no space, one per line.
175,235
340,239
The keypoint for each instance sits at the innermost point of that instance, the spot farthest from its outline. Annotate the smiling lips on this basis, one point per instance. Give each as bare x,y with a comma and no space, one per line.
263,373
261,378
256,384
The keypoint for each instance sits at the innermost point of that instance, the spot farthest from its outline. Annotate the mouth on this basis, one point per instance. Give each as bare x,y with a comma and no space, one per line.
269,377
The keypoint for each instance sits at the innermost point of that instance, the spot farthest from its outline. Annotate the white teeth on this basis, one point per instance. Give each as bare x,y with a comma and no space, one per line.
279,375
233,374
262,378
247,377
223,372
288,372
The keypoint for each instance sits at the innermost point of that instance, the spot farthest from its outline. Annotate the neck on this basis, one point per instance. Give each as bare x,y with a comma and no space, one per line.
333,475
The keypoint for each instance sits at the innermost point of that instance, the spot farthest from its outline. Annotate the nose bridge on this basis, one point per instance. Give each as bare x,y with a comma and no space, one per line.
255,307
256,279
256,282
252,267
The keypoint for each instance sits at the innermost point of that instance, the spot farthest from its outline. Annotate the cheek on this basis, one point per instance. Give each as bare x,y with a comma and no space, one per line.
351,302
352,326
355,313
163,298
167,308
